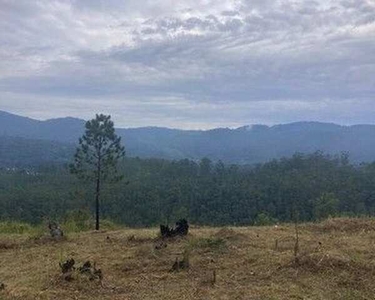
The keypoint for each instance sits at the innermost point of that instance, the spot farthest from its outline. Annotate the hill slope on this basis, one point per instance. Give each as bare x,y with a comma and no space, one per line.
335,262
248,144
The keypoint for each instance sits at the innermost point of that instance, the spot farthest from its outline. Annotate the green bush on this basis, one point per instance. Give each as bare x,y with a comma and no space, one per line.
325,206
82,220
77,220
106,224
264,219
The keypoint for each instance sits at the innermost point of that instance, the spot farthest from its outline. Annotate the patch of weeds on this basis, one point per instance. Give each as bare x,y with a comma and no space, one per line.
8,245
9,227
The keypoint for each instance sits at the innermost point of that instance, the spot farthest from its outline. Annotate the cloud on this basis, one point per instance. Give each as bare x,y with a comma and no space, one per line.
194,64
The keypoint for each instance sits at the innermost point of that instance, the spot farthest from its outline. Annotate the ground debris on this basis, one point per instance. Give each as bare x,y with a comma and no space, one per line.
91,271
68,269
343,225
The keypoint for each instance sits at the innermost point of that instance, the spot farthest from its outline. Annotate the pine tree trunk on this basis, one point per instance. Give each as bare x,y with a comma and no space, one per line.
97,195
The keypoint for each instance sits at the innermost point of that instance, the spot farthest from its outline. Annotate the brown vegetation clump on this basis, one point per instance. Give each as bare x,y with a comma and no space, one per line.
45,239
328,262
229,234
7,245
345,225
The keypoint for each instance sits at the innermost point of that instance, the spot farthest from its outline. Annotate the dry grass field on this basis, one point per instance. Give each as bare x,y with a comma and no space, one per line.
336,260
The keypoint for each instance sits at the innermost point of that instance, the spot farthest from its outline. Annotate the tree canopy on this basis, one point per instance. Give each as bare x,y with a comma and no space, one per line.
156,191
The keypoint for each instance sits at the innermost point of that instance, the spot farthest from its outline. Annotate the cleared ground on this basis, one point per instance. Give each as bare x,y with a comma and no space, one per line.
336,260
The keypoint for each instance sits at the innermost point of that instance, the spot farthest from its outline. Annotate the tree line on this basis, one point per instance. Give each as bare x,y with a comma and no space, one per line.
158,191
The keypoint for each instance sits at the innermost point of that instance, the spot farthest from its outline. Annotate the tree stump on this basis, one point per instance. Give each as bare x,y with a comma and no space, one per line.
181,229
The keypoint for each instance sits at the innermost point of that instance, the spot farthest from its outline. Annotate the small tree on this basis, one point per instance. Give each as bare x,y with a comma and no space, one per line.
97,156
325,206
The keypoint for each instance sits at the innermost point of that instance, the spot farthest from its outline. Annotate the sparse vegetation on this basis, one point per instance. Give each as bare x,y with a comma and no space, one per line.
335,262
69,225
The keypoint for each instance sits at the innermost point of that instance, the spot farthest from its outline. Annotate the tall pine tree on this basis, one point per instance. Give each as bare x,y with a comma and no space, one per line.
97,156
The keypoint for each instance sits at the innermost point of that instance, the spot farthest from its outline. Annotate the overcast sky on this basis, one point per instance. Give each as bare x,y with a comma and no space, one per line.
189,63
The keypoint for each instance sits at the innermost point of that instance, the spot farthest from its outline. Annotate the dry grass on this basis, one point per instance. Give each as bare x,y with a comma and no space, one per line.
337,261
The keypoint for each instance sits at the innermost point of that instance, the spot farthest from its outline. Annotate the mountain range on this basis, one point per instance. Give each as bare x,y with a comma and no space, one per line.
27,141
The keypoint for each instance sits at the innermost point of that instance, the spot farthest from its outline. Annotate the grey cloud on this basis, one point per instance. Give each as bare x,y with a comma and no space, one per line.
262,57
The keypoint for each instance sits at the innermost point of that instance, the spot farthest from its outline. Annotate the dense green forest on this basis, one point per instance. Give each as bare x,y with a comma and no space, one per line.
307,187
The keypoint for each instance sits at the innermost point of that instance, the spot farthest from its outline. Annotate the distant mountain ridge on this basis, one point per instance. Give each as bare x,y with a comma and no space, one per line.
61,129
247,144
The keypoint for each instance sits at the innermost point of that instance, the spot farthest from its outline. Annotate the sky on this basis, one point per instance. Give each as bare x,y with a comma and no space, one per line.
189,64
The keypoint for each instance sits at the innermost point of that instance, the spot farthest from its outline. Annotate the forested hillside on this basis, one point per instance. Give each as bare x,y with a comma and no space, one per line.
21,152
307,187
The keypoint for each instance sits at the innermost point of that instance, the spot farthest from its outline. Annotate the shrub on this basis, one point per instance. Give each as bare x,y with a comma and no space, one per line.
264,219
77,220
